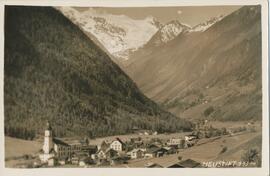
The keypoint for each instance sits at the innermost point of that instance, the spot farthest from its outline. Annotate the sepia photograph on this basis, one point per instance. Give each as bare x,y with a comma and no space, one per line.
88,86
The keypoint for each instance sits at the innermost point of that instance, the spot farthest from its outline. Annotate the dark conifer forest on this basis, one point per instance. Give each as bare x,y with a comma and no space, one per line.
54,72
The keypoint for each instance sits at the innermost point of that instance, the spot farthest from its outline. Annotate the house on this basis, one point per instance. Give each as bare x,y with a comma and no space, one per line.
154,145
136,153
136,142
110,153
75,160
104,145
62,149
102,148
190,140
169,150
104,157
101,154
82,163
85,160
89,149
119,160
117,145
153,165
106,154
62,162
154,152
135,129
103,162
188,163
66,147
176,142
51,161
190,137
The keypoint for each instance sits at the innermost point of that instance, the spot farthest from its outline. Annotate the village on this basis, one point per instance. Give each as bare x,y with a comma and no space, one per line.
66,152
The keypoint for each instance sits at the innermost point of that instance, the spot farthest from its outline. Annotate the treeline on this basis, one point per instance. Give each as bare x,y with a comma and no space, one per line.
20,132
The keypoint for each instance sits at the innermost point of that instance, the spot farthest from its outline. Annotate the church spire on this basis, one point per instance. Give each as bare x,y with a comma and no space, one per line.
48,126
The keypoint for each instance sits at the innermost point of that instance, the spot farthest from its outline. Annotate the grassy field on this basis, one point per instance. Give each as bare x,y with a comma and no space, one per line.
17,147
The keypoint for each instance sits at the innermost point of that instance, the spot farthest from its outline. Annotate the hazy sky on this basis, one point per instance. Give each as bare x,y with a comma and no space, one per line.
190,15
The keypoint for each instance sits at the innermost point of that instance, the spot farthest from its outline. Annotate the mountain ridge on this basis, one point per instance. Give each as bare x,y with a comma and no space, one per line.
168,32
189,70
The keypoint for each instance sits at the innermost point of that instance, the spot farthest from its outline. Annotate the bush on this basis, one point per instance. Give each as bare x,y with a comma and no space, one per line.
89,161
224,149
208,111
224,131
27,157
252,155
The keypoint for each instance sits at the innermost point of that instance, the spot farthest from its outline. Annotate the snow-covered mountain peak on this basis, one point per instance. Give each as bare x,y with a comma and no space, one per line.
169,31
205,25
119,34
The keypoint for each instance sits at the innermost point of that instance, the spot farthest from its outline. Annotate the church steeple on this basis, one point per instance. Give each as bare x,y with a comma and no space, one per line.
48,126
48,139
48,145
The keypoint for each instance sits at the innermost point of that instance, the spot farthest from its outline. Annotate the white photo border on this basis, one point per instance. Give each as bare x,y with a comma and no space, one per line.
263,171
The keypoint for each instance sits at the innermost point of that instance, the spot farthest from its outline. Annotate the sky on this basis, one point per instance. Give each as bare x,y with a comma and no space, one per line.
191,15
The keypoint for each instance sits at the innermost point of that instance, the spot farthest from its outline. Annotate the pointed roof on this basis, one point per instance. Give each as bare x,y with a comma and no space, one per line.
119,140
104,146
153,165
48,126
59,142
188,163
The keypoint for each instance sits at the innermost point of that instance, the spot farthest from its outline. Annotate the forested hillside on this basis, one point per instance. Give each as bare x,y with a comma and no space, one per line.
53,71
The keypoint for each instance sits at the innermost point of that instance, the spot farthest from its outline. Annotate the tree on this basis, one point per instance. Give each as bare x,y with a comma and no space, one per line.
252,155
208,111
180,158
224,149
224,131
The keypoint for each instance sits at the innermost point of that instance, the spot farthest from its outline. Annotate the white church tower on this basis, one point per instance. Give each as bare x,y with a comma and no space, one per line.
48,139
48,146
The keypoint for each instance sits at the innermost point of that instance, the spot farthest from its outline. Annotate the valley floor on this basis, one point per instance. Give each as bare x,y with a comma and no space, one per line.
207,149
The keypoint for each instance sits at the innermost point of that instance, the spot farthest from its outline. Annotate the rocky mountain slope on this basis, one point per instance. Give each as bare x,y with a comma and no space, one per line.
201,27
53,71
168,32
215,73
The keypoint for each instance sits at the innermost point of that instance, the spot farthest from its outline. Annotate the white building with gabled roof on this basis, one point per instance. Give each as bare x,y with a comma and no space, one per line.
117,145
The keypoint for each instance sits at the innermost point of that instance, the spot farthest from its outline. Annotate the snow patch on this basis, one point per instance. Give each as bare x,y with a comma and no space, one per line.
204,26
